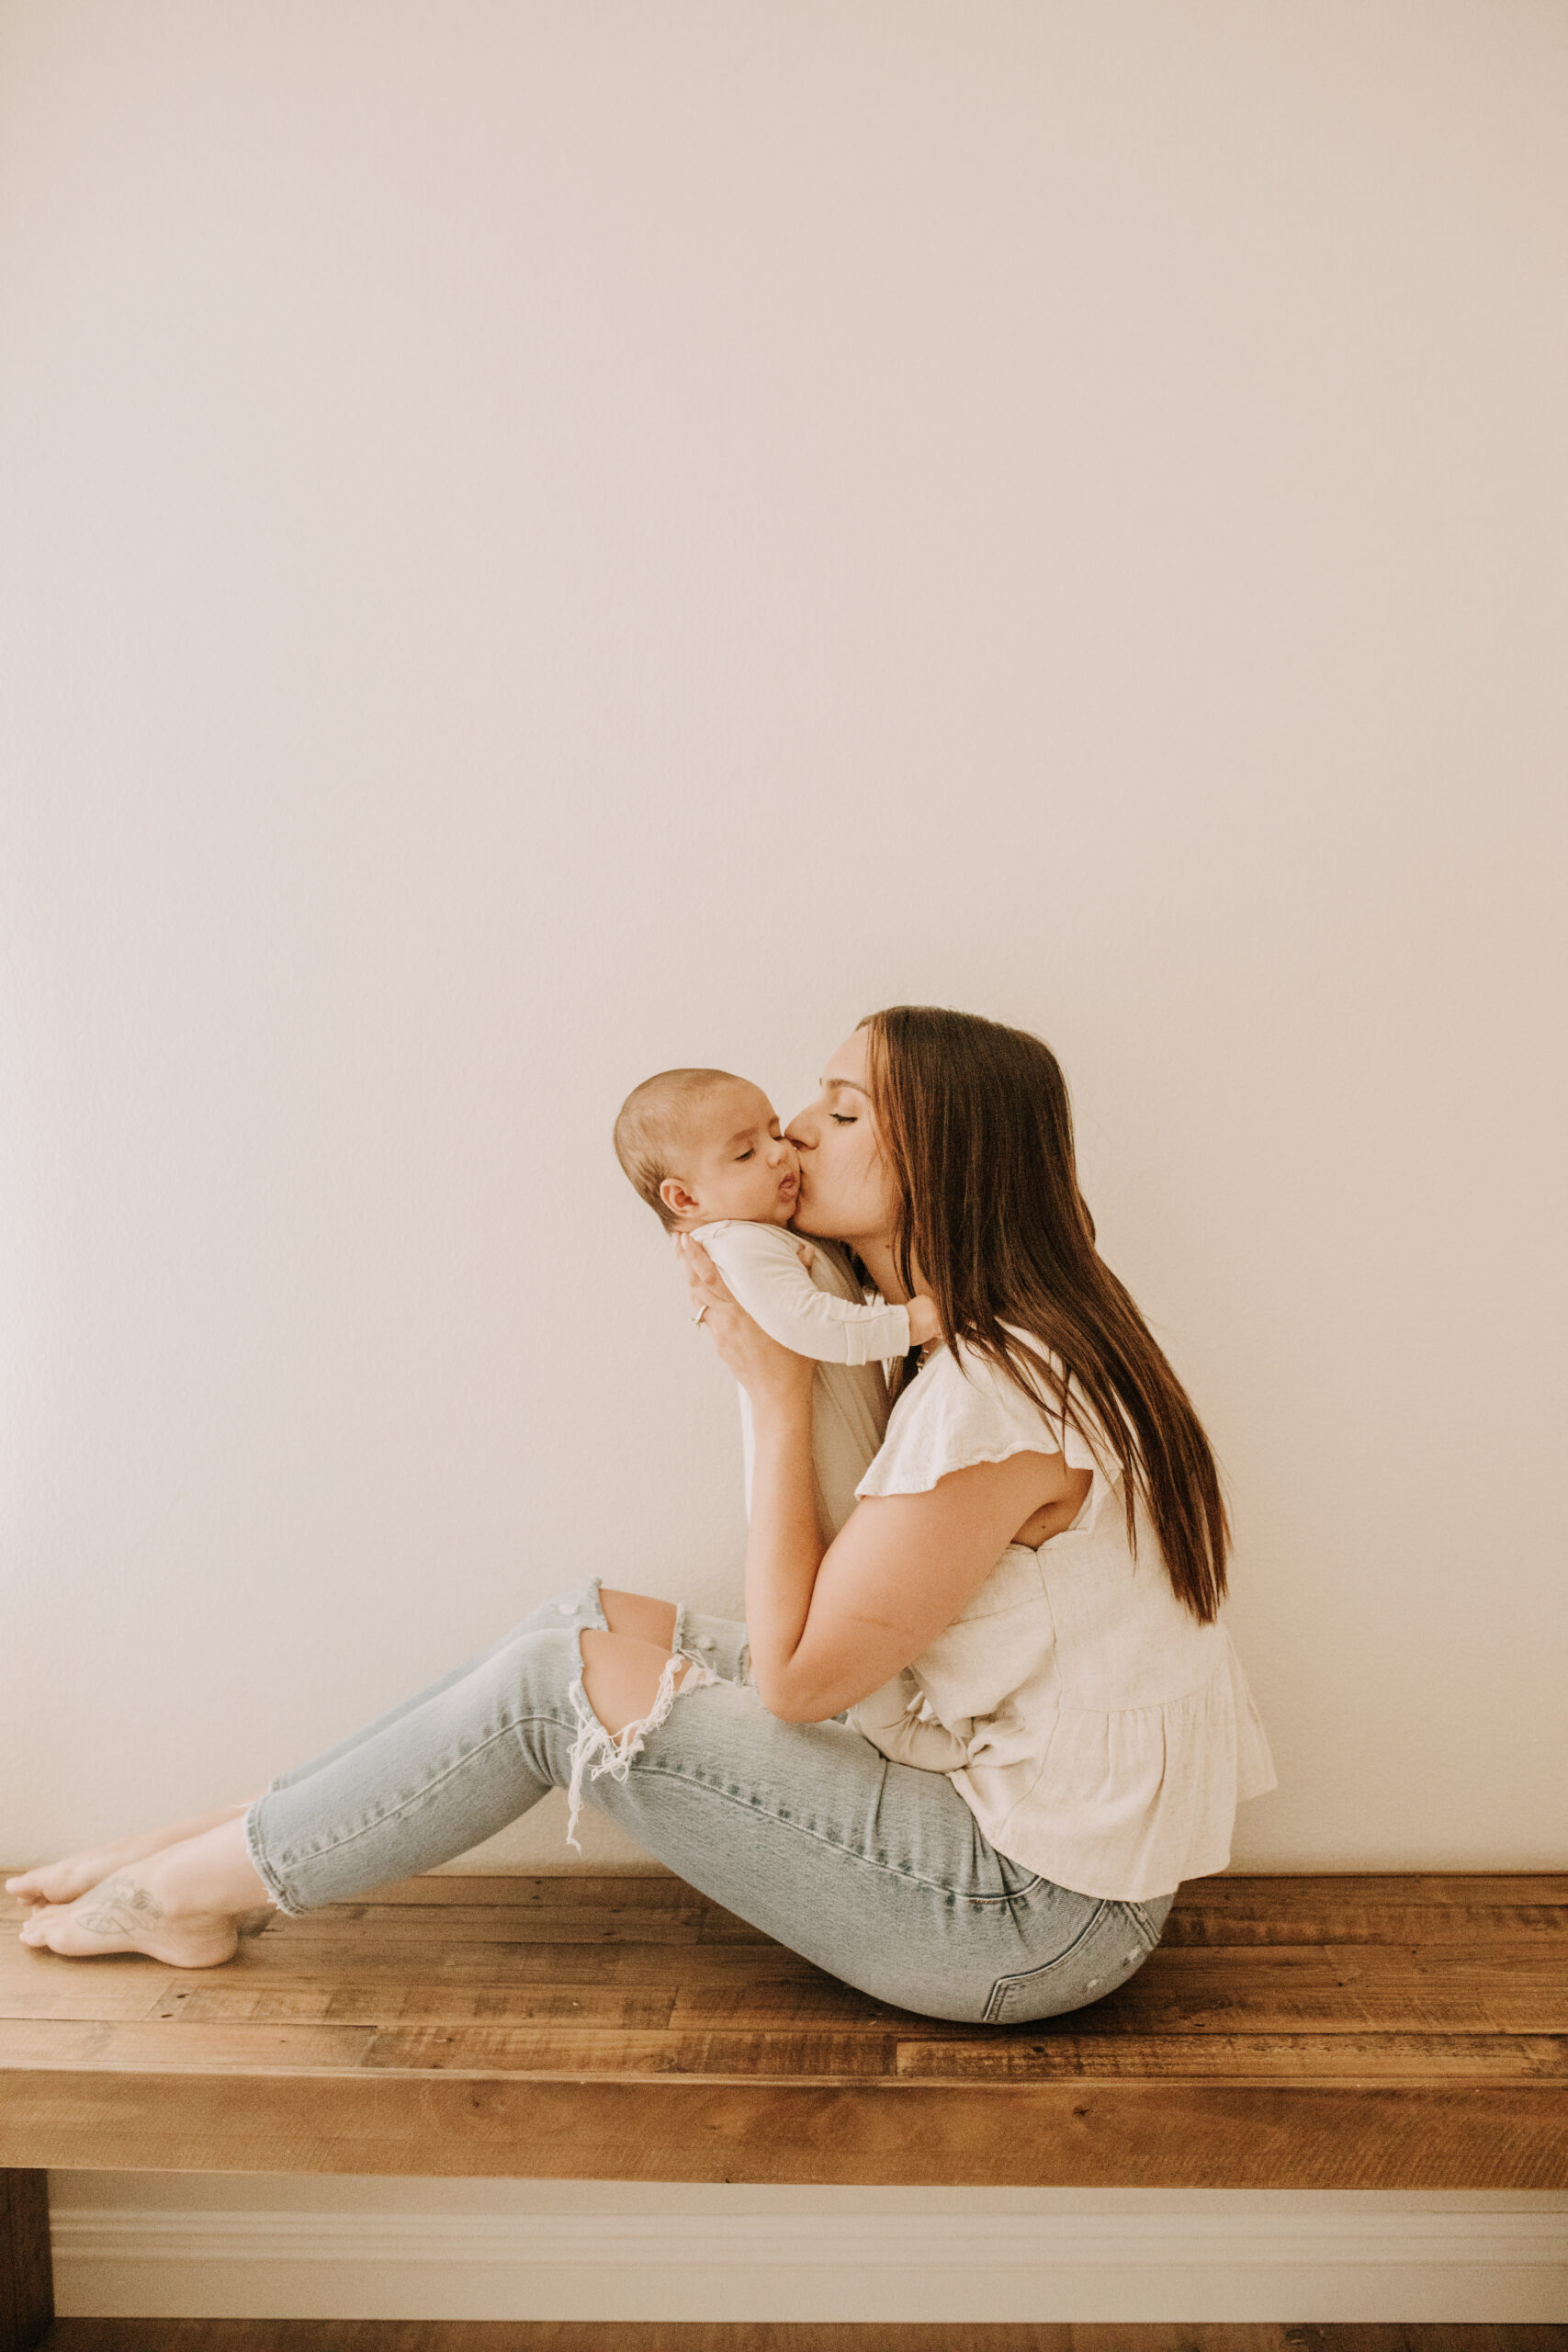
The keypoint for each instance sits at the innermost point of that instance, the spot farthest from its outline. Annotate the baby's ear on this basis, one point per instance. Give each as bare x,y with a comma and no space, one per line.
676,1197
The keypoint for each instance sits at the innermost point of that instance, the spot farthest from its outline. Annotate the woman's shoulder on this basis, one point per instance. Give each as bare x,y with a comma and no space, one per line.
965,1380
963,1408
958,1411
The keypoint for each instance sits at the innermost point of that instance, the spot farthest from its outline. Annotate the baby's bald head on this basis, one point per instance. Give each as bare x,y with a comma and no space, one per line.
701,1144
654,1126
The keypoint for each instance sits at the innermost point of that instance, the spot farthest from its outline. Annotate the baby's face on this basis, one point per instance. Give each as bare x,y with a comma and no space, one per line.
737,1163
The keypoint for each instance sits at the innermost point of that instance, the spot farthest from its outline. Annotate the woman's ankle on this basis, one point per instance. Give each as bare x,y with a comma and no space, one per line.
206,1877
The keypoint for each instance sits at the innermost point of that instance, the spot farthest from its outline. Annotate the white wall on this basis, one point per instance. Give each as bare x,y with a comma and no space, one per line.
548,541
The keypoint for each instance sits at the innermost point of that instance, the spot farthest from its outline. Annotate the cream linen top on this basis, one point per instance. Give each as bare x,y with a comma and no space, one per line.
1106,1735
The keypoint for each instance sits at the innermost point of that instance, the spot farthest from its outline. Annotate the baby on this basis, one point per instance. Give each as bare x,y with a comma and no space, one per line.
706,1151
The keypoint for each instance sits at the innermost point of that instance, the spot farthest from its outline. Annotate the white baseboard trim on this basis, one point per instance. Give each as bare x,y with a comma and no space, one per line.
1298,2265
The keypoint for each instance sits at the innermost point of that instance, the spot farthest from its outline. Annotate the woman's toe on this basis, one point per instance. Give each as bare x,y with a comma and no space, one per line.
53,1882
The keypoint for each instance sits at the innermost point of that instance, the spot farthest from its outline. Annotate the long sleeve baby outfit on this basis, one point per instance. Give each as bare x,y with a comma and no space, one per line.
821,1312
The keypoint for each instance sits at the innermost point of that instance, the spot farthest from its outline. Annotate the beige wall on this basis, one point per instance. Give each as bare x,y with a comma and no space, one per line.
545,542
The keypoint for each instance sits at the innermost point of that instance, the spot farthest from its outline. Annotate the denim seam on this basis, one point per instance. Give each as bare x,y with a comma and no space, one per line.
906,1878
1149,1933
995,2011
276,1891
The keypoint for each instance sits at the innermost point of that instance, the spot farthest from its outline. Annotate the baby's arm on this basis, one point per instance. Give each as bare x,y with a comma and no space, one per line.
763,1267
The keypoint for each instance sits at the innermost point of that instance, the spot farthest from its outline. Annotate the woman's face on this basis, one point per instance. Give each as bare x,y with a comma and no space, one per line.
846,1193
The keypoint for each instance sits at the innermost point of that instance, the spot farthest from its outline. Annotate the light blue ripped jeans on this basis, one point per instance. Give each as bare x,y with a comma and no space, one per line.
875,1871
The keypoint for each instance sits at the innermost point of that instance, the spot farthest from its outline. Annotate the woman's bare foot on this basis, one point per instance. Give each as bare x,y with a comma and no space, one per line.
128,1912
57,1883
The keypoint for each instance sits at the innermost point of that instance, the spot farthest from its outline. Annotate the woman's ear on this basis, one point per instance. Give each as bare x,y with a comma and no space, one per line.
676,1197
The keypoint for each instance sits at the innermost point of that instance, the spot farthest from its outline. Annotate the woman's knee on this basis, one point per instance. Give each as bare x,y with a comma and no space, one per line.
622,1674
643,1619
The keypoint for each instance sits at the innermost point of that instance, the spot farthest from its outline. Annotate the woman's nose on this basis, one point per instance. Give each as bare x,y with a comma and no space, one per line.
799,1134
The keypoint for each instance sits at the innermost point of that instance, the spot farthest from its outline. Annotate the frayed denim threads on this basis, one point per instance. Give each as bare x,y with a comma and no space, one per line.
613,1753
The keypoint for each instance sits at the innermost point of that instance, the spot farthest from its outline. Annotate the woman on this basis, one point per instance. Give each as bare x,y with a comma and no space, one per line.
1043,1542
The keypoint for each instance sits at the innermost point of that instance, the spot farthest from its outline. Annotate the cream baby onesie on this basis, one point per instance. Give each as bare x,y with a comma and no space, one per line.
821,1312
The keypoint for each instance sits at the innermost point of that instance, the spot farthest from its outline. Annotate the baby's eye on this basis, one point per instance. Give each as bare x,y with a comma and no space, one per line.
744,1155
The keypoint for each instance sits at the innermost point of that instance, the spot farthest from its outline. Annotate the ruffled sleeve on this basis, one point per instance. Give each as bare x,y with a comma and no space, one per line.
960,1410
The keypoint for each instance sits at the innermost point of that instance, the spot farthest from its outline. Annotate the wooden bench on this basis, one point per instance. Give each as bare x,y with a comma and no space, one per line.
1291,2032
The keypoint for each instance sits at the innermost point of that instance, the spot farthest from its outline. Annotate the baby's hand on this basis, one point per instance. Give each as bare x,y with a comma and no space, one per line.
924,1322
806,1252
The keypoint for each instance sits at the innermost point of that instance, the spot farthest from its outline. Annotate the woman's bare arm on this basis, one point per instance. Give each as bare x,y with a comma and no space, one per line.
896,1576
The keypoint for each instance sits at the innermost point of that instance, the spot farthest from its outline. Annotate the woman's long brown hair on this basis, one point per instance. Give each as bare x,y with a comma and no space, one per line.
978,1132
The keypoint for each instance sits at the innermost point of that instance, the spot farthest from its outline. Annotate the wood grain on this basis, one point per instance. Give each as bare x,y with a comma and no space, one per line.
1370,2031
1092,2134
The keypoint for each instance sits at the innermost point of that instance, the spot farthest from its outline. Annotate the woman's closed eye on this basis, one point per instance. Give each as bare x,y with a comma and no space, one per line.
843,1118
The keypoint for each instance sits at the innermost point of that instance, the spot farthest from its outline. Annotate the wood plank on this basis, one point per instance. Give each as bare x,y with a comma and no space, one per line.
493,2049
1349,1989
1263,1922
1264,1989
1240,2057
223,2005
1300,1889
630,2008
1082,2134
352,1959
157,2051
27,1972
1337,1989
85,1993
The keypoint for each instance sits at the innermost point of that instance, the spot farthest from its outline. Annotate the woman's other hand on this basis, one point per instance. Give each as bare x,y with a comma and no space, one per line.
767,1372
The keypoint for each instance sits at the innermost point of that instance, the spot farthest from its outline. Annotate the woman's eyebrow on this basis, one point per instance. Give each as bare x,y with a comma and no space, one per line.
826,1082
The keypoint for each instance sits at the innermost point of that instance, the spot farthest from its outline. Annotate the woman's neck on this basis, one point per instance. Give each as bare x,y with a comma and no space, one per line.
878,1258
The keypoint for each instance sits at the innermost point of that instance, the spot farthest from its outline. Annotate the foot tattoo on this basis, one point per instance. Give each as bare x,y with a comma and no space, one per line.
119,1907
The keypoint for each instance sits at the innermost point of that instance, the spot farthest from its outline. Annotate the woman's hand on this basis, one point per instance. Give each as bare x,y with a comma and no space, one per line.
768,1373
